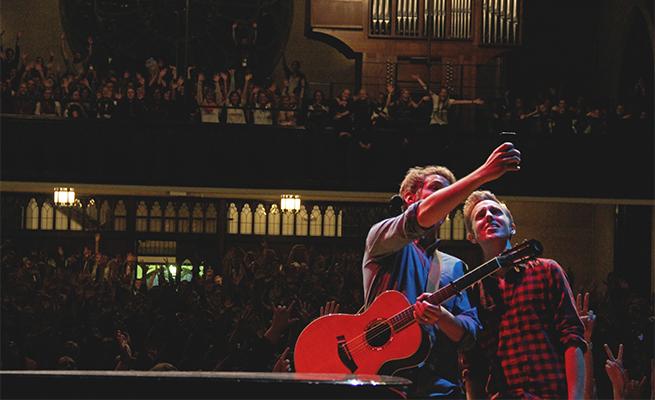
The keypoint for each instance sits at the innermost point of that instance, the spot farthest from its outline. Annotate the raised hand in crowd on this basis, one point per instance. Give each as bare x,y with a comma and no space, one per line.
586,315
634,389
283,363
622,386
281,321
304,310
331,307
126,355
615,371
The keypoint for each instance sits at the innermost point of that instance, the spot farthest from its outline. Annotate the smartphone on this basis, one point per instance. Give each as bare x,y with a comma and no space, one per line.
507,137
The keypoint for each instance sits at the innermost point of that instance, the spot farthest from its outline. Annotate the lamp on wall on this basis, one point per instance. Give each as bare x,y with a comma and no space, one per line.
64,197
290,202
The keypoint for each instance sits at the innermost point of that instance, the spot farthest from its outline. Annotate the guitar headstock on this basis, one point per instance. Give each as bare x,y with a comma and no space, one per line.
520,253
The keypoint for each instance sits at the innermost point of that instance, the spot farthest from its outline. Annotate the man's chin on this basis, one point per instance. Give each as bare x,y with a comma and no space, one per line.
492,236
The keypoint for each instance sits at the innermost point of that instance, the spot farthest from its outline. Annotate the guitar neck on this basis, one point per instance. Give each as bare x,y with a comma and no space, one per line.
464,282
406,317
514,256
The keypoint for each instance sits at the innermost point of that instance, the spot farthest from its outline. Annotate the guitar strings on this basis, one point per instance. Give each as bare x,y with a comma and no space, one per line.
383,326
379,330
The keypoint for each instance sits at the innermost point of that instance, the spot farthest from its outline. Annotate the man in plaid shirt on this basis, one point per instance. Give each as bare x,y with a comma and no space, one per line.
532,335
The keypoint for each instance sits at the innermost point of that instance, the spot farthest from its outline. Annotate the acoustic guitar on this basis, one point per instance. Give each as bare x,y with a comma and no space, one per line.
387,338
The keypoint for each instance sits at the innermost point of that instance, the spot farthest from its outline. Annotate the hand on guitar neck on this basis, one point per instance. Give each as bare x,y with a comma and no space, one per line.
427,313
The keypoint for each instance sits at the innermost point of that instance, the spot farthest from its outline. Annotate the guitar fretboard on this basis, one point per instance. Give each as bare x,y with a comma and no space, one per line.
406,317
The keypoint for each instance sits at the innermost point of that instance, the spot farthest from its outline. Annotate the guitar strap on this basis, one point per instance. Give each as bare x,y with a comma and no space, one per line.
434,274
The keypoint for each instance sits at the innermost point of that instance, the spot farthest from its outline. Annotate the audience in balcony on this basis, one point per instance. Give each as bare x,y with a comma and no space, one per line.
235,97
9,57
317,113
48,105
342,118
128,108
380,114
262,114
287,114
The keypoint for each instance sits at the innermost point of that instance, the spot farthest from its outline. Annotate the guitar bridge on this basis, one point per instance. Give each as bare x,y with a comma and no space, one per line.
344,354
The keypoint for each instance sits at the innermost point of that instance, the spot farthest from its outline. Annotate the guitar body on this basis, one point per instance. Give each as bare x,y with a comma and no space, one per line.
362,343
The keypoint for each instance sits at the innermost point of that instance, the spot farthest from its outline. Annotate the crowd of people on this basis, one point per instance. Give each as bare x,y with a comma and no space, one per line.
158,91
88,311
550,112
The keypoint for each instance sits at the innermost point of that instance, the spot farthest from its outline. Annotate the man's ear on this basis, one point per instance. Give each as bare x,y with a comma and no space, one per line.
409,198
471,238
513,229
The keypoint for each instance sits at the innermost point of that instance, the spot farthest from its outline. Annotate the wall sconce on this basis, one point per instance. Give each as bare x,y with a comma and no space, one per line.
290,202
64,197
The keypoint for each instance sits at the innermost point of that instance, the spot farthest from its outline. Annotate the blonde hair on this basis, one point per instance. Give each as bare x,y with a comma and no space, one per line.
476,197
415,178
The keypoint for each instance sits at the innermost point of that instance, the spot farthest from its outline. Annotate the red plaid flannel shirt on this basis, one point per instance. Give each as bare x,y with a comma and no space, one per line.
529,320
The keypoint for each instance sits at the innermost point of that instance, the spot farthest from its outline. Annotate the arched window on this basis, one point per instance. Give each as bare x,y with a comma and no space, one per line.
47,216
155,217
169,218
183,218
210,219
287,222
274,220
61,220
340,224
120,216
245,225
459,231
329,222
142,217
444,229
232,219
302,222
197,217
32,215
315,222
91,216
260,220
105,215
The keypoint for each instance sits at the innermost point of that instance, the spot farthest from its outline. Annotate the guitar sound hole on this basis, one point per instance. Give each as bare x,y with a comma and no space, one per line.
378,333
